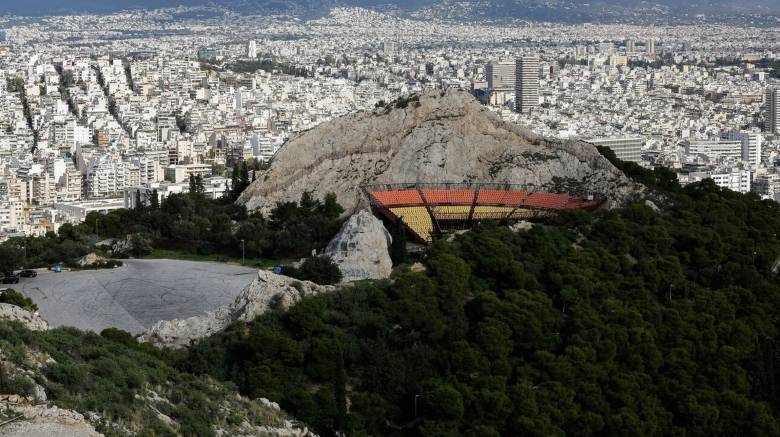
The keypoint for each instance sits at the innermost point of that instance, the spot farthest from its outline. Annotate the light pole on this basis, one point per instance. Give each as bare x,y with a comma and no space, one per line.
415,404
242,253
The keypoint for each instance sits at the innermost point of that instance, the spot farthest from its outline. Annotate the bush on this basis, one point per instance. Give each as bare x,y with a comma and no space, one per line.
141,245
15,384
317,269
13,297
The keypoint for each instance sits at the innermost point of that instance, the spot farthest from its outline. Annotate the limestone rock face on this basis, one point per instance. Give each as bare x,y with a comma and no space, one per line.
268,291
30,320
90,259
361,248
438,137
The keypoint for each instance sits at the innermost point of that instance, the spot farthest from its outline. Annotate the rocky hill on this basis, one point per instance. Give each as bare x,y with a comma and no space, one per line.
268,291
434,137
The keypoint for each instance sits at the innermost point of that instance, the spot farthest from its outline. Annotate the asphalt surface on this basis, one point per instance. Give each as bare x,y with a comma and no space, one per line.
135,296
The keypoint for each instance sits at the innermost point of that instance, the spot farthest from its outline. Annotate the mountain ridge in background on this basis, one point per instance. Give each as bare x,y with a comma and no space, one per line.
539,10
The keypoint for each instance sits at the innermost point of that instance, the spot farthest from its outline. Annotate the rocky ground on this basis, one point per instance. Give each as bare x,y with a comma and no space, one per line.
31,320
267,291
46,421
433,138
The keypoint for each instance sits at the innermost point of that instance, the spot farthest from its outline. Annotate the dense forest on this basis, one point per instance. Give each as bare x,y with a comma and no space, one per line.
624,322
189,223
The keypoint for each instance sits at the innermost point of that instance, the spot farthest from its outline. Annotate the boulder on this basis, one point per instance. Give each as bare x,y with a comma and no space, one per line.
122,247
522,225
361,249
90,259
268,291
650,204
29,319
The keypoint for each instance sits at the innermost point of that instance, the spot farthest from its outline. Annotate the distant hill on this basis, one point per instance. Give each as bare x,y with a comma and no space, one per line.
559,10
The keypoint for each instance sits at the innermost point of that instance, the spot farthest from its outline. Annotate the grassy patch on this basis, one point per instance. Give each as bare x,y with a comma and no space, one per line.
185,256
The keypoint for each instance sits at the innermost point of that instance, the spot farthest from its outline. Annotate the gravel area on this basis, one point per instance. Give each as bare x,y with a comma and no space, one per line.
135,296
32,429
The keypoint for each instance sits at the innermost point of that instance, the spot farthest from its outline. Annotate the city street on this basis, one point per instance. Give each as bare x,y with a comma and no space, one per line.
133,297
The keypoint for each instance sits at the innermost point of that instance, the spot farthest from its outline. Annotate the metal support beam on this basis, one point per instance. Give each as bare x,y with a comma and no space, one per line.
436,227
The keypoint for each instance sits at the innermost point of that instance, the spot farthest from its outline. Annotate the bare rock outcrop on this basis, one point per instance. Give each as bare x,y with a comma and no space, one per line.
90,259
436,137
30,319
46,420
361,248
268,291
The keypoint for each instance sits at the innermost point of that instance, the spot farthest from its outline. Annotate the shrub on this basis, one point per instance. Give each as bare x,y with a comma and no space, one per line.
317,269
13,297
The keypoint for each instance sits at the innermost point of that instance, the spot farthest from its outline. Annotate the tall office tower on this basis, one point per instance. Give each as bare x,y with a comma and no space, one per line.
630,46
388,48
526,83
251,49
650,46
500,75
773,110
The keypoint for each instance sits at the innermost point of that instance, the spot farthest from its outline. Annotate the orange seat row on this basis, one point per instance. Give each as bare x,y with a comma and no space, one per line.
393,198
484,197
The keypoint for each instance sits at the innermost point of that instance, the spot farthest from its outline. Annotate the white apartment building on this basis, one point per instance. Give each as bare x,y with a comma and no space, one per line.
107,177
625,148
734,179
715,149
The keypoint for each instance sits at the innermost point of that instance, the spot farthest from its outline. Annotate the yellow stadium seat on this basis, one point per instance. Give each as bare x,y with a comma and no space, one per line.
417,220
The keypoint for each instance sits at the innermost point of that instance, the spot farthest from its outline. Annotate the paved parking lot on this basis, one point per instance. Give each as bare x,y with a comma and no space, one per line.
133,297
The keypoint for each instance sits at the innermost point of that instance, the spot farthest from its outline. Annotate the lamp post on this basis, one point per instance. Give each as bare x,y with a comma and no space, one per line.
242,253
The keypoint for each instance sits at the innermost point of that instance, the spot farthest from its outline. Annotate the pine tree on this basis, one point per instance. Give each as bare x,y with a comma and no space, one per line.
244,176
398,248
340,388
155,200
139,206
235,182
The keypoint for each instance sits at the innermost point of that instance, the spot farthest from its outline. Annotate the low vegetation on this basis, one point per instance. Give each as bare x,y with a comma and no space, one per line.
13,297
318,269
124,386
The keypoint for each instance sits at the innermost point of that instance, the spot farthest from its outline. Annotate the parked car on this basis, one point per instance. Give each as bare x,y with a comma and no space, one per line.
27,273
10,278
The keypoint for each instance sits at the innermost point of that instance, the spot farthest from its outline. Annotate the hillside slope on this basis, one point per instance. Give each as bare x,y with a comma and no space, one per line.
436,137
636,320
